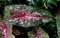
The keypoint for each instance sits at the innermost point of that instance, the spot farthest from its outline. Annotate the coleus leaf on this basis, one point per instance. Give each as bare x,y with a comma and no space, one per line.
26,16
4,30
38,33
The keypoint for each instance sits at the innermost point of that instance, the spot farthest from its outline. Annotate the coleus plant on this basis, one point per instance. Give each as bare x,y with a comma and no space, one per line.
4,30
26,16
37,32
